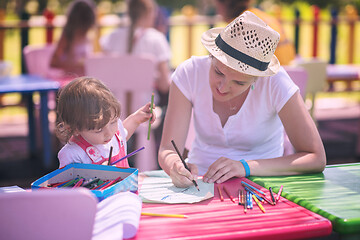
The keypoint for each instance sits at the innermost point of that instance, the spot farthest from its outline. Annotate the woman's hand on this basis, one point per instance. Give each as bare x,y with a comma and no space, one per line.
223,169
180,176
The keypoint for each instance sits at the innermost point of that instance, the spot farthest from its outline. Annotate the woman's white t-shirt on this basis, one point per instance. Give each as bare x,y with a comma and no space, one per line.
73,153
255,132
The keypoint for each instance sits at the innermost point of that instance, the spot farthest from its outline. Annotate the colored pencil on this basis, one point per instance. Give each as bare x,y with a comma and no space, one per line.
252,187
220,193
91,182
228,193
250,200
79,183
151,110
240,196
100,186
129,155
245,202
268,201
279,193
272,195
53,185
185,165
259,204
249,190
68,184
110,155
164,215
110,183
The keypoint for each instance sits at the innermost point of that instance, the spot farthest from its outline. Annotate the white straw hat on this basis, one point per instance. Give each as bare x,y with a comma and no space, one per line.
247,45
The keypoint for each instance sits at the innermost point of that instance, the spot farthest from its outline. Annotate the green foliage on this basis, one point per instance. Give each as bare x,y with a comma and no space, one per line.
176,4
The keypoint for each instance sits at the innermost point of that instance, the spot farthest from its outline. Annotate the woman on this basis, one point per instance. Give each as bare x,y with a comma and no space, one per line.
241,101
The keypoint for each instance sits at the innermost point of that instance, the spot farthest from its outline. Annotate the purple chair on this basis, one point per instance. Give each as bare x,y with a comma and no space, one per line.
47,214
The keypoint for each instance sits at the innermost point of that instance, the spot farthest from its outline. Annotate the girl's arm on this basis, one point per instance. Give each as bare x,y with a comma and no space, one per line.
176,127
309,156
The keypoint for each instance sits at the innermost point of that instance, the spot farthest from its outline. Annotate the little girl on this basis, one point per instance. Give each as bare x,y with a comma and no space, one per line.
89,122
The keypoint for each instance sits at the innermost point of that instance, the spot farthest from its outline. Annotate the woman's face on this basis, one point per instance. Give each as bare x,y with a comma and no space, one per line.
226,83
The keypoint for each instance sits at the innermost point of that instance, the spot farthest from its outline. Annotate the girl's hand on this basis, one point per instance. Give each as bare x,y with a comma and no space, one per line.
143,114
223,169
181,177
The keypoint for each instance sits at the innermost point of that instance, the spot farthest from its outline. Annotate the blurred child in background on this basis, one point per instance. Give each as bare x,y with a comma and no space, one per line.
140,37
74,43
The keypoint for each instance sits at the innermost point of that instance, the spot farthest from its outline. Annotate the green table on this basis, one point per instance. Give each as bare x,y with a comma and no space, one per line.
334,194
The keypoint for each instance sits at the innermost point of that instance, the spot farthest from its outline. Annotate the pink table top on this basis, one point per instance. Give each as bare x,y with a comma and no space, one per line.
214,219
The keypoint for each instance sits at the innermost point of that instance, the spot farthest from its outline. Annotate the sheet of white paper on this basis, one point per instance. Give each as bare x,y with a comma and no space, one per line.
155,173
117,217
162,190
11,189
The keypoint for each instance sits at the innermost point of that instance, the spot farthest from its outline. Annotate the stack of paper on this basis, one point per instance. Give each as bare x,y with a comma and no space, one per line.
117,217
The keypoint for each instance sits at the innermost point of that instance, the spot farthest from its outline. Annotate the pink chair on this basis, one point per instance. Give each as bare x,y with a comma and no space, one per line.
37,59
47,214
131,79
299,76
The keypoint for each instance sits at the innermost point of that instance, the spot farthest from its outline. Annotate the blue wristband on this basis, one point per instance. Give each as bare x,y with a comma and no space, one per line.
246,167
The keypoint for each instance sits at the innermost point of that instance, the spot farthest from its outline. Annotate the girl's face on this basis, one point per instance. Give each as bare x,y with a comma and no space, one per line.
102,135
226,83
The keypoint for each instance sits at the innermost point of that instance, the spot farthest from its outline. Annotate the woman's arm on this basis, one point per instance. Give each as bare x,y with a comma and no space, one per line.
309,153
176,127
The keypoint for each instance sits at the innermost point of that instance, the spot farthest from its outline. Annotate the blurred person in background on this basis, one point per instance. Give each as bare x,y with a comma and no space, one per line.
140,37
75,43
230,9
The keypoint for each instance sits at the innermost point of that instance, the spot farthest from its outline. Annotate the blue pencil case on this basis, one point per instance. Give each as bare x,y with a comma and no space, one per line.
129,177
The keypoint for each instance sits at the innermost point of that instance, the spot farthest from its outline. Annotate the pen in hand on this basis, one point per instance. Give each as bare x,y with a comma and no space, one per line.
110,155
151,111
185,165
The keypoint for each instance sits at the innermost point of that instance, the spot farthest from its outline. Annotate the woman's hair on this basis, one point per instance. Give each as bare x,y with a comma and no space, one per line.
80,18
136,10
85,104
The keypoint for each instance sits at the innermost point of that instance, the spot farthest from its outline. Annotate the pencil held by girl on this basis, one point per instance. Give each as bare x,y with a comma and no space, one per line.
90,125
